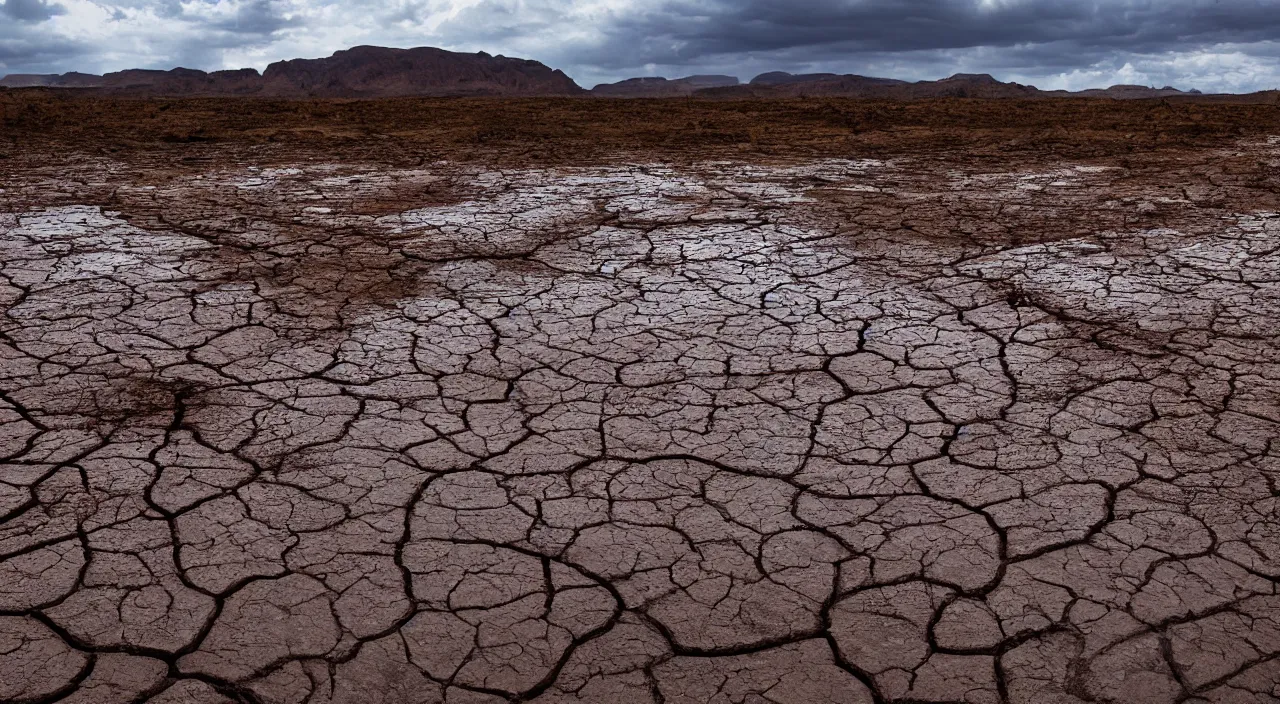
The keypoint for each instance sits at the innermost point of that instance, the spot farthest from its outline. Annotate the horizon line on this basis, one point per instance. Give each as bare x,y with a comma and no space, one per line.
740,81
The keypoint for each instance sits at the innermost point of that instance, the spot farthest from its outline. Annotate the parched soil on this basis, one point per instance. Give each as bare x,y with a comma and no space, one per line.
638,402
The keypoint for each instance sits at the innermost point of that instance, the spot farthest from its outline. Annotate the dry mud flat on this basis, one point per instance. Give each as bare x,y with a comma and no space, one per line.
824,431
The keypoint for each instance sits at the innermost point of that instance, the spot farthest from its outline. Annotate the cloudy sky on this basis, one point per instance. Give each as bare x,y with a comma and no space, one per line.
1212,45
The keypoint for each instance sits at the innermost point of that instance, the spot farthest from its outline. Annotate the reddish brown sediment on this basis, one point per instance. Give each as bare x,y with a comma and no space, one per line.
425,421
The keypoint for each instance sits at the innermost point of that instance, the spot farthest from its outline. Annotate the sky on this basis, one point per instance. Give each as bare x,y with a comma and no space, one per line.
1210,45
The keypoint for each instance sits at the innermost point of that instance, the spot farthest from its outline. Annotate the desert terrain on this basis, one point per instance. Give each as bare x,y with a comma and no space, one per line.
638,402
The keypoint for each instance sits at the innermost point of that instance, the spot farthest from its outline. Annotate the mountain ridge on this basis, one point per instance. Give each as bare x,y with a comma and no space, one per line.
358,72
380,72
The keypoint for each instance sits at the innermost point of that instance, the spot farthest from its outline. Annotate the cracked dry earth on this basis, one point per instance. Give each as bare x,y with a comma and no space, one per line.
833,431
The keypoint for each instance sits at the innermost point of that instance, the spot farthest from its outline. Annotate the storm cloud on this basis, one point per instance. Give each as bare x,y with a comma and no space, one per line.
29,10
1212,45
700,28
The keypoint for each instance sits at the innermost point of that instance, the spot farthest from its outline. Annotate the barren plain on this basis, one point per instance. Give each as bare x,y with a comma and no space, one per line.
658,402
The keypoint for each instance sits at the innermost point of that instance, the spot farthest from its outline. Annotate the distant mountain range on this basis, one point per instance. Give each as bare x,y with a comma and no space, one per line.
376,72
661,87
778,84
361,72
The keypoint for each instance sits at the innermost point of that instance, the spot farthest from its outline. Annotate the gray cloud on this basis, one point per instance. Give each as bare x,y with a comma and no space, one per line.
685,30
261,17
30,10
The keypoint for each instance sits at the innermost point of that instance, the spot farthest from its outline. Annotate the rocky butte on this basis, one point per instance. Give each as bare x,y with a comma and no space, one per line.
658,87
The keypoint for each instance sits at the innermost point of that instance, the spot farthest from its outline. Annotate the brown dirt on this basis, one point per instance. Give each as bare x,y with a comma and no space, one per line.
809,402
549,130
